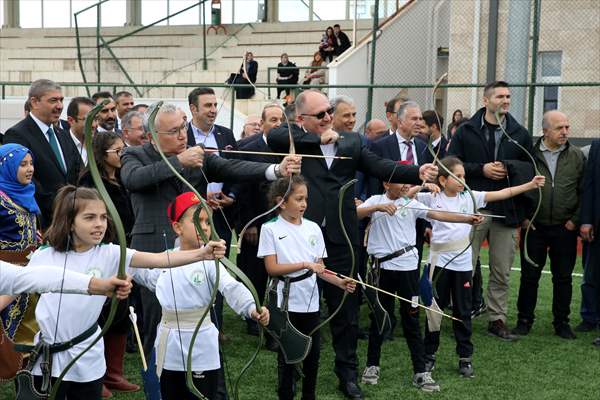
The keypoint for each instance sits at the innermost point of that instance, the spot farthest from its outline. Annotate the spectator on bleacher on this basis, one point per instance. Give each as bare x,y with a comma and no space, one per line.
391,113
315,76
77,110
107,117
246,74
56,159
108,148
134,133
251,126
375,129
287,74
556,226
124,102
344,114
341,42
327,45
457,116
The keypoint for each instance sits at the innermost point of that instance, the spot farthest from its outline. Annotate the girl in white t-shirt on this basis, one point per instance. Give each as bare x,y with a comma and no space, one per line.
391,243
292,246
184,293
453,267
79,240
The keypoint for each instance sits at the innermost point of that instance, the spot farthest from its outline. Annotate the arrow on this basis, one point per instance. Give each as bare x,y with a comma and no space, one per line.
133,318
415,303
268,153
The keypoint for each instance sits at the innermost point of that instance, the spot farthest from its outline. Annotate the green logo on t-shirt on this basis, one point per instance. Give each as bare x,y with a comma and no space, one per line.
95,272
196,277
312,240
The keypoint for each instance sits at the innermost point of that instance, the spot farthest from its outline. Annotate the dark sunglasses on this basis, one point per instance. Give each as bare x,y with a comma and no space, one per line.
320,115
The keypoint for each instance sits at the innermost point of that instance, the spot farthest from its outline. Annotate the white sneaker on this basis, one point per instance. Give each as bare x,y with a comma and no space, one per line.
425,382
370,375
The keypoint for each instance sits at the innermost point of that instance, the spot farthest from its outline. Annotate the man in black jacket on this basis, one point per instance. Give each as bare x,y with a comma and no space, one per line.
55,156
492,162
590,216
342,43
312,134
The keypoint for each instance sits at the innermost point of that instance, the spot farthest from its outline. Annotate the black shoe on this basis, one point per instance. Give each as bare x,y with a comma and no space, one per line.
585,326
252,328
351,390
522,329
465,368
498,329
564,331
596,342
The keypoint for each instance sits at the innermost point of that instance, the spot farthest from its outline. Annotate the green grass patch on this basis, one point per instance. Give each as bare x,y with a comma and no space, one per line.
539,366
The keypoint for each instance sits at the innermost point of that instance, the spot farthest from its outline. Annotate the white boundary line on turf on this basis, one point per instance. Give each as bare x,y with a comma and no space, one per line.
543,271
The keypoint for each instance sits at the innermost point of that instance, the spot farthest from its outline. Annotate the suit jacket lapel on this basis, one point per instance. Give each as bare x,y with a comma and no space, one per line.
40,137
394,147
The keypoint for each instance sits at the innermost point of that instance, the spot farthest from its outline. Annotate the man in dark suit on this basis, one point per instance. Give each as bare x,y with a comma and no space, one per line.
433,130
153,186
253,202
56,160
312,134
202,130
590,217
124,102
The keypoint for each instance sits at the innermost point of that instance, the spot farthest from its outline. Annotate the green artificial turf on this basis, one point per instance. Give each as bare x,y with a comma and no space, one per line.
539,366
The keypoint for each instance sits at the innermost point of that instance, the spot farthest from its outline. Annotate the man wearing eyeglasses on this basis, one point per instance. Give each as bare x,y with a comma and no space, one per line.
152,186
78,109
313,134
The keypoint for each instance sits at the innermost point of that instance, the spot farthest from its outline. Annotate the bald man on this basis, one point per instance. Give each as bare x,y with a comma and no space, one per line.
313,134
556,226
375,129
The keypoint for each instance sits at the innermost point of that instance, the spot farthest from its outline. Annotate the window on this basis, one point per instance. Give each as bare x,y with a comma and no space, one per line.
549,71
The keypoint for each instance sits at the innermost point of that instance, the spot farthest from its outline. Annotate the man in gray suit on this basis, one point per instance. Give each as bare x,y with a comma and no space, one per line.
152,186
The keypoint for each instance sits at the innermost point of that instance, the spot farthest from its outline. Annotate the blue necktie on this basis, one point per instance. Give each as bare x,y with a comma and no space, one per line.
55,148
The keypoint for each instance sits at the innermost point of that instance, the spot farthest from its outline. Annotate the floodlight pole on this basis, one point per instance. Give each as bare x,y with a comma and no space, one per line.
372,72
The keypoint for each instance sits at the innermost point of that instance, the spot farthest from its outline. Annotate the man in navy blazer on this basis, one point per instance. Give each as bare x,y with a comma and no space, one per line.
433,129
55,157
590,217
202,130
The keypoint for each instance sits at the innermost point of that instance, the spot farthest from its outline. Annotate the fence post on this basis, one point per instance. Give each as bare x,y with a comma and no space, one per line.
231,115
204,62
98,22
372,73
534,57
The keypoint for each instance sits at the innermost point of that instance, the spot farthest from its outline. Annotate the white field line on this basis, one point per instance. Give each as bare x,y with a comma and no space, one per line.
543,272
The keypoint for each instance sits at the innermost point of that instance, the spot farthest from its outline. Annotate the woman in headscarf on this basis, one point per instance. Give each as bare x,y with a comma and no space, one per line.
18,237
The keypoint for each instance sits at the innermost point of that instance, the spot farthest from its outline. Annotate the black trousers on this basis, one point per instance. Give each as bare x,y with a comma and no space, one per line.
253,267
344,326
173,387
405,284
74,390
561,245
477,290
304,322
455,285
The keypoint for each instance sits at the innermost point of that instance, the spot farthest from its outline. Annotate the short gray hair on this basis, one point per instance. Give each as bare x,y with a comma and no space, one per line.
406,105
335,102
127,118
41,87
166,108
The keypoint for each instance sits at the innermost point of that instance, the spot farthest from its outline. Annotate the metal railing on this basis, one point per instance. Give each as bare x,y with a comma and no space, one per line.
101,42
270,69
116,85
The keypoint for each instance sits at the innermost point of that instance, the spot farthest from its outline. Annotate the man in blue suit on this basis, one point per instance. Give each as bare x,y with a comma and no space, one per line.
590,217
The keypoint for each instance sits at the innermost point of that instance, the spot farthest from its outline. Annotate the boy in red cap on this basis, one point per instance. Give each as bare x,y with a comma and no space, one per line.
184,294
